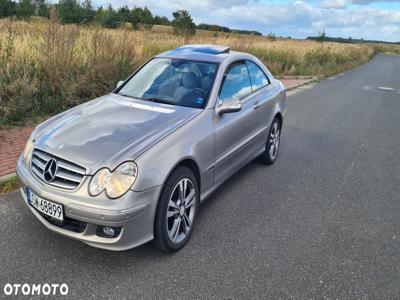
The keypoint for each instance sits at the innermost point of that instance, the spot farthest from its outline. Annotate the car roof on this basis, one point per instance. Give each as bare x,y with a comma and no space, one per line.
200,52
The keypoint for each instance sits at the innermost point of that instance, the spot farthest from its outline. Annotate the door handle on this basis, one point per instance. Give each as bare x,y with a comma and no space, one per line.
256,105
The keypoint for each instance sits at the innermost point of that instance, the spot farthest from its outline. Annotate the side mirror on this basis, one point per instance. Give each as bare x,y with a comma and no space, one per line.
120,83
228,106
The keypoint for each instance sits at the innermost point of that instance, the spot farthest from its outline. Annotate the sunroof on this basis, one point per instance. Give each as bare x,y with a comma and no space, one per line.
207,49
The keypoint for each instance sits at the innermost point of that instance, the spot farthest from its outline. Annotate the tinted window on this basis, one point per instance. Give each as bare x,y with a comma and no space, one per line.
237,82
174,81
257,76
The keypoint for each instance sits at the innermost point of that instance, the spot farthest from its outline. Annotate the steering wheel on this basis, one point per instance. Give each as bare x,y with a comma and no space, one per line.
200,90
192,96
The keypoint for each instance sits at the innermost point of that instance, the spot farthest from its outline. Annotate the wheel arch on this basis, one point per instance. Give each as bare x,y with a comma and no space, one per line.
189,163
280,117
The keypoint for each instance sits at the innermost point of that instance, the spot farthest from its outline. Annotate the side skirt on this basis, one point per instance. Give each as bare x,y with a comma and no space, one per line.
205,194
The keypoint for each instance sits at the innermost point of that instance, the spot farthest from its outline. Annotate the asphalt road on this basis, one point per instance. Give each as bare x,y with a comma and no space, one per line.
324,221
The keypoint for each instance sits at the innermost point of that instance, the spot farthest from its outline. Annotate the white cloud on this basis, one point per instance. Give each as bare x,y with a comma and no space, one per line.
337,4
372,1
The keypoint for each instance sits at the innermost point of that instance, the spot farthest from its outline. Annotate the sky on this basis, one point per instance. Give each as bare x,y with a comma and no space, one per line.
367,19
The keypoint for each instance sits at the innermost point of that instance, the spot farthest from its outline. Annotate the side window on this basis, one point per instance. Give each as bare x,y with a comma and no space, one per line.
257,76
236,83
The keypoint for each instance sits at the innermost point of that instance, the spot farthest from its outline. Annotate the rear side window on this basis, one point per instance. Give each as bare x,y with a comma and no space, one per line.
257,76
237,83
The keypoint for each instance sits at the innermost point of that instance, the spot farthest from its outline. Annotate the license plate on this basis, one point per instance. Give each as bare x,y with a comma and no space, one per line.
45,206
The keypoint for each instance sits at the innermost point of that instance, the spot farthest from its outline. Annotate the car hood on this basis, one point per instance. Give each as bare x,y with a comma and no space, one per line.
109,130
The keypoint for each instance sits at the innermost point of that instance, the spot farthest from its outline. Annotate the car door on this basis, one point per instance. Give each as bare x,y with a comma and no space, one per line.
234,132
263,96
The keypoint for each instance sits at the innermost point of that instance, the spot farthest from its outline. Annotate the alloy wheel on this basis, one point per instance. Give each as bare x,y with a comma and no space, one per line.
181,210
274,140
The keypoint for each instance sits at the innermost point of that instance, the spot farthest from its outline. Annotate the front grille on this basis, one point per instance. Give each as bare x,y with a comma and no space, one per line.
67,176
68,223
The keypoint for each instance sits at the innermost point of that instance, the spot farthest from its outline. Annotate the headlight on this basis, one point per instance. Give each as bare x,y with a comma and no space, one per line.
28,148
99,182
115,183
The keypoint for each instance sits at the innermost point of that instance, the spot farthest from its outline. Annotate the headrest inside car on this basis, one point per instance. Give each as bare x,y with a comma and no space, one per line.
190,80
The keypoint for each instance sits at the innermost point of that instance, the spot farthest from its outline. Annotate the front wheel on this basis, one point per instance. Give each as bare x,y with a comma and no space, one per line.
271,152
176,211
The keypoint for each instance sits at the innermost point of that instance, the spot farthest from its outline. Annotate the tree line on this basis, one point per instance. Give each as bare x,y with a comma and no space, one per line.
76,12
83,12
213,27
323,38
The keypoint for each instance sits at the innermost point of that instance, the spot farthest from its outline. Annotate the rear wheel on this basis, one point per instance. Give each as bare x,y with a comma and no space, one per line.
177,210
271,152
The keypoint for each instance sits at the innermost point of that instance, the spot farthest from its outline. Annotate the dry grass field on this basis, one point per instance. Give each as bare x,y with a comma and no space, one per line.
46,67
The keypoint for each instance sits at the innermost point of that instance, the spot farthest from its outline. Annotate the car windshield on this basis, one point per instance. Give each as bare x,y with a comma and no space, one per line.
172,81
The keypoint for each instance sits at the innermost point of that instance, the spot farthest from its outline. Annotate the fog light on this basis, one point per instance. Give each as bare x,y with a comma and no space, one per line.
108,231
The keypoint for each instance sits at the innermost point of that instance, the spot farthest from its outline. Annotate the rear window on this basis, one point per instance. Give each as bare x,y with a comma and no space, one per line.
257,76
237,83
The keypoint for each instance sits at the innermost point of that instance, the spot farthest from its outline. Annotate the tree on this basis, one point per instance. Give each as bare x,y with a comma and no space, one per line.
271,36
123,14
157,20
25,9
108,18
213,27
69,11
7,8
134,17
98,15
88,12
43,10
141,18
36,4
183,23
322,36
146,18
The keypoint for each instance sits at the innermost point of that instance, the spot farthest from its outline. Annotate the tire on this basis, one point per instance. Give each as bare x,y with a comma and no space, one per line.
270,155
175,219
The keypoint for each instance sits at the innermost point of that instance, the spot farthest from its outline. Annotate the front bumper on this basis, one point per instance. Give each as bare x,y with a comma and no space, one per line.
134,212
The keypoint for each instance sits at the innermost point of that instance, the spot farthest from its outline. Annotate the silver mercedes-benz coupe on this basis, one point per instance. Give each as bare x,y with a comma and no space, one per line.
134,165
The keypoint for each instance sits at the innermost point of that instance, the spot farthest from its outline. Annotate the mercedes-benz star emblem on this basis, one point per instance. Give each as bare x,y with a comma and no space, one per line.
50,170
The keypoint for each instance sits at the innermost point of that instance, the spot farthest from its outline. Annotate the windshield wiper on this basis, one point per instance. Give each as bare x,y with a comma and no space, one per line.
158,100
126,95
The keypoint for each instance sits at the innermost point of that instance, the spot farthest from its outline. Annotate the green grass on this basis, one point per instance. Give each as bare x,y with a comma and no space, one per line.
9,185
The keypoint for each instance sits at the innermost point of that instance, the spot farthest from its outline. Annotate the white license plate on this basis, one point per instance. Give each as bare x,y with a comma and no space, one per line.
45,206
